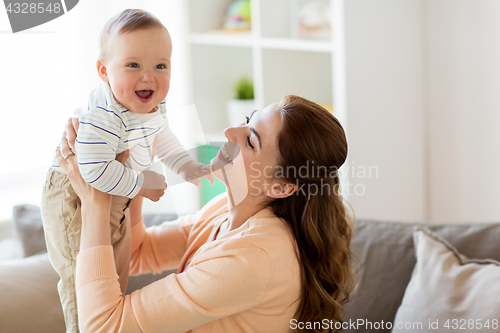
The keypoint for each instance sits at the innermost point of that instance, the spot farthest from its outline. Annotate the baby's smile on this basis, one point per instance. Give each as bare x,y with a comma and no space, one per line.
144,95
138,68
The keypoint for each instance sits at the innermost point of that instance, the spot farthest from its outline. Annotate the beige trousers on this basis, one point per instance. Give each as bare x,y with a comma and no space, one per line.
62,223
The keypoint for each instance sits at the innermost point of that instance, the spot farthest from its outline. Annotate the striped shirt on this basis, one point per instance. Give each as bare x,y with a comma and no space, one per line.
107,128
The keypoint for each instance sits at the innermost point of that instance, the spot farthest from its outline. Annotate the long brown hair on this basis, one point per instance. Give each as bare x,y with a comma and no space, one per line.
313,146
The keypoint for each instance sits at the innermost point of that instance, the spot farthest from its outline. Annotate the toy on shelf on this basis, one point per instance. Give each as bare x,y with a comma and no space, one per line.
314,20
238,16
328,107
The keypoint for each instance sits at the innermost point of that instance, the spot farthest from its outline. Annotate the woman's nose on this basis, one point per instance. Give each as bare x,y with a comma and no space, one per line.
231,133
236,133
228,132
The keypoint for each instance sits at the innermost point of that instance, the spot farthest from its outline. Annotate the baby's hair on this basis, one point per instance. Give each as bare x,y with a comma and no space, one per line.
126,21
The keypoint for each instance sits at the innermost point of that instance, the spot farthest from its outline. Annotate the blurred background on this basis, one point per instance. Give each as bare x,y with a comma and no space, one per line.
415,83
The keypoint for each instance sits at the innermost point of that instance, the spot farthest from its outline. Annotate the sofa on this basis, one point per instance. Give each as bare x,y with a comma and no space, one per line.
29,300
394,288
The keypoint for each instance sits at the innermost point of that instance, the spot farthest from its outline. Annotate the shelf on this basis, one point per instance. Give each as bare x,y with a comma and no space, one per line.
311,79
215,70
223,39
278,62
214,137
296,44
245,39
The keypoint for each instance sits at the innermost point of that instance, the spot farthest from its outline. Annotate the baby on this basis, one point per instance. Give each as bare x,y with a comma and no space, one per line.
127,111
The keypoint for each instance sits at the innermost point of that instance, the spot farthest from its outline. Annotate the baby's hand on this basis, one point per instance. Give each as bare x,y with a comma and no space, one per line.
154,186
192,170
153,181
153,195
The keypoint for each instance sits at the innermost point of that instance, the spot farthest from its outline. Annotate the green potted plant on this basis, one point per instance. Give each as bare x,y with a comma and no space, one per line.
243,103
244,88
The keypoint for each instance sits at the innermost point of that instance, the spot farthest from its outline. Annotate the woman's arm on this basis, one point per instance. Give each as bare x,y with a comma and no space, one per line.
95,222
221,282
136,211
162,247
157,248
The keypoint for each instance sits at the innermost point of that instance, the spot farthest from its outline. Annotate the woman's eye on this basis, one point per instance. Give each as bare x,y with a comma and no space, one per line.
249,143
161,66
133,65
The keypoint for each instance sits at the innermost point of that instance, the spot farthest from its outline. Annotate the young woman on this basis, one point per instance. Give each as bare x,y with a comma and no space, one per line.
270,255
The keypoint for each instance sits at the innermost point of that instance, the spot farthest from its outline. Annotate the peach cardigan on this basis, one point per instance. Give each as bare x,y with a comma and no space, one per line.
247,280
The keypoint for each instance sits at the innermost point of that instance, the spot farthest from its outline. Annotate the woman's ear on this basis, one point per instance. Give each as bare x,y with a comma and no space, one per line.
101,70
279,190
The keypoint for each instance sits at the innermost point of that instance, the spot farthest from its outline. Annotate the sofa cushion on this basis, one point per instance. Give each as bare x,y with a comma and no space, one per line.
29,301
388,257
10,249
448,291
28,223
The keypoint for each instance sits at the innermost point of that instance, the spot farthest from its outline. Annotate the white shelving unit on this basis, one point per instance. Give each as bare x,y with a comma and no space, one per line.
278,63
373,71
408,73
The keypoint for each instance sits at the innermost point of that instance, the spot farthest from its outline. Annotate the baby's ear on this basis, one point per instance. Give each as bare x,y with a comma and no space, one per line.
101,70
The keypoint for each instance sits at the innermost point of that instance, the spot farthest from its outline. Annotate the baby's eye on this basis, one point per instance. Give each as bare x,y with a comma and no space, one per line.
161,66
133,65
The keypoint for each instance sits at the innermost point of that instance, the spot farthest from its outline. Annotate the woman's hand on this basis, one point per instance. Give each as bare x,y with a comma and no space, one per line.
96,205
87,194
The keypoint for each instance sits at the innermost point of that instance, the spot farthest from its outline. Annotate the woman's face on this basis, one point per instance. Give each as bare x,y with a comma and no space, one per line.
251,171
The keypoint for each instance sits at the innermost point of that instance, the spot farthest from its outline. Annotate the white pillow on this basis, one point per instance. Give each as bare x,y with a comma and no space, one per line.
449,292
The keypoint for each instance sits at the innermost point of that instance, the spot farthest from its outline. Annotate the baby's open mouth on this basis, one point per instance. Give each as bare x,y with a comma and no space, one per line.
225,156
144,95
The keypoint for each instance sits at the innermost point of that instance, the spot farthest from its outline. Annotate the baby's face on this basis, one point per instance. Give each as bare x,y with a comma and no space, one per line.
137,68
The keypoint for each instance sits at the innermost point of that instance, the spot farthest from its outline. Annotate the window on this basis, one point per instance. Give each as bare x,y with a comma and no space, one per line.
46,73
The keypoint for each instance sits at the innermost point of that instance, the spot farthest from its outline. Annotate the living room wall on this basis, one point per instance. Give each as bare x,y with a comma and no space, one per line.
463,109
422,98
